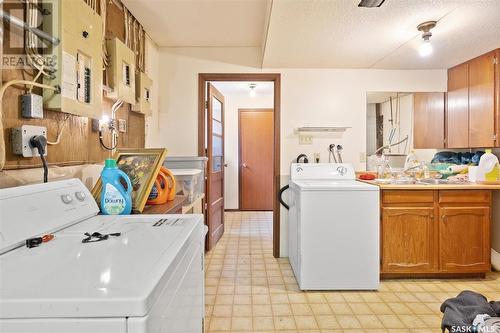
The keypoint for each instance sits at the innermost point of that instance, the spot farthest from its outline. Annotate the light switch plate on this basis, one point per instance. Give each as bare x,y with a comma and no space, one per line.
122,125
362,157
21,140
305,139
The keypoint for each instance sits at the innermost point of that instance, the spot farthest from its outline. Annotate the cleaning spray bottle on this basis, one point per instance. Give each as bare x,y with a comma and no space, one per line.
115,198
488,169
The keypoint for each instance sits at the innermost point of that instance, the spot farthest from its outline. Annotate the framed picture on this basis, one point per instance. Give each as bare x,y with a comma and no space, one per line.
142,166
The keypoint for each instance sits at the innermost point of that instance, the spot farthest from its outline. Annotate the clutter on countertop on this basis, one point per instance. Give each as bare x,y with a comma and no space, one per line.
460,311
457,158
367,176
164,188
115,198
488,169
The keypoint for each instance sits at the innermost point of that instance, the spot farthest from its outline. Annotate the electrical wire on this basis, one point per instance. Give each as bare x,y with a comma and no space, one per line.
59,133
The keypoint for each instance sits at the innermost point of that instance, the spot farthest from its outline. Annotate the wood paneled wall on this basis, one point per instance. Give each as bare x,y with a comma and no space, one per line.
79,144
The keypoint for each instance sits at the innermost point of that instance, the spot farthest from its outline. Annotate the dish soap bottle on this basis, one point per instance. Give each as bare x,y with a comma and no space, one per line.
488,169
115,199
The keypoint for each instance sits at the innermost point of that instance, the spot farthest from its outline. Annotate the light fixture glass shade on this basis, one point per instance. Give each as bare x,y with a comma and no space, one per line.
252,92
425,49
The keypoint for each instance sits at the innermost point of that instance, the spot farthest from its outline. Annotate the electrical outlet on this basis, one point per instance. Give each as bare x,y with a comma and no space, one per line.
305,139
122,125
362,157
21,140
317,157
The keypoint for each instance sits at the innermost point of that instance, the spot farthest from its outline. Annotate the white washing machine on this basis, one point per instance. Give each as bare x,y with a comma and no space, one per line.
145,276
333,228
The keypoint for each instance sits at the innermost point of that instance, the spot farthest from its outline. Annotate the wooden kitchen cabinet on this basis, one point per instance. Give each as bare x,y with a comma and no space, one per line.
457,113
435,232
409,238
464,239
428,120
482,100
472,103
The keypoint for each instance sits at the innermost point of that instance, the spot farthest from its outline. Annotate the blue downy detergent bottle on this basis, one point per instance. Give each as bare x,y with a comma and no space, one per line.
115,199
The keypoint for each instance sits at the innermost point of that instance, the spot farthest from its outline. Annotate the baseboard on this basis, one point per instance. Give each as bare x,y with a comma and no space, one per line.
495,260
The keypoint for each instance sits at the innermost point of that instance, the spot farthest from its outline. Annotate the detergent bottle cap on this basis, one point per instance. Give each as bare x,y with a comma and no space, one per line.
110,163
487,151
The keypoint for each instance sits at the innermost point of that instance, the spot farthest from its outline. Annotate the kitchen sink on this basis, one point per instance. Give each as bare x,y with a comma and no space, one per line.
432,181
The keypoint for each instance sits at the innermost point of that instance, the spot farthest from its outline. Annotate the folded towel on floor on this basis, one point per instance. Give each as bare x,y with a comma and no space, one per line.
460,311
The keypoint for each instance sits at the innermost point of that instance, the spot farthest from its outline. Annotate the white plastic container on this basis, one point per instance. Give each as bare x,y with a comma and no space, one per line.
189,182
488,168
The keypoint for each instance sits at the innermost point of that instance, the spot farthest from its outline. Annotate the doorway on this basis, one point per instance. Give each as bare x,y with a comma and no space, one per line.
207,138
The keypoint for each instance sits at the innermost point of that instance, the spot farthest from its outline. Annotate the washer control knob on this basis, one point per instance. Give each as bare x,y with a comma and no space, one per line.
80,195
66,198
342,170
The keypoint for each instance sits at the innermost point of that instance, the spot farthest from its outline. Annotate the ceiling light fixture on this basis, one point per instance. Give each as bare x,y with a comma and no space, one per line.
425,49
252,89
371,3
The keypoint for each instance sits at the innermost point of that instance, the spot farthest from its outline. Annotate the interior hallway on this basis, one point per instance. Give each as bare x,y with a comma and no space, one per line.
247,289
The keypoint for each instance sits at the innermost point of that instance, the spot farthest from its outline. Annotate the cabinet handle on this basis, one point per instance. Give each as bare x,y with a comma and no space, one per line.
443,217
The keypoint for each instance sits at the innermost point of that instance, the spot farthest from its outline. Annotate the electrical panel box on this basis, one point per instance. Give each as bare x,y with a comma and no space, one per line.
21,137
77,58
143,85
121,72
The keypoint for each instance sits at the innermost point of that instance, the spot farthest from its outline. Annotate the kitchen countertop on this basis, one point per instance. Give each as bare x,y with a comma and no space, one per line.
465,186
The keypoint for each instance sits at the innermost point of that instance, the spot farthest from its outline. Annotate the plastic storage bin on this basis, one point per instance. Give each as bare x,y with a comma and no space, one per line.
189,182
188,162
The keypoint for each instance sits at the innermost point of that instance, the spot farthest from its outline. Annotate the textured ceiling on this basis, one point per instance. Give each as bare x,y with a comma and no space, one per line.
203,22
340,34
328,33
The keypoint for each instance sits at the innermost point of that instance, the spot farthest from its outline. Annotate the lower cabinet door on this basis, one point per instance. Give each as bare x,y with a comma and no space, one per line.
409,240
464,239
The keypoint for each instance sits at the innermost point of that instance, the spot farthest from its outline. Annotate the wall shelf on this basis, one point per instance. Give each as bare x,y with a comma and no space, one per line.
322,129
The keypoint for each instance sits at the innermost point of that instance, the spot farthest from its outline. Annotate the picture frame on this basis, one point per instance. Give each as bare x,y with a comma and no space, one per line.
142,166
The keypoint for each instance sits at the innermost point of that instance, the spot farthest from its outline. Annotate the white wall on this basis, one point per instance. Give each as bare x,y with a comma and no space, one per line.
335,97
233,102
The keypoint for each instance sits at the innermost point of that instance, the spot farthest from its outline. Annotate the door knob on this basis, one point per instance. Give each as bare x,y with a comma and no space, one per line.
244,165
226,164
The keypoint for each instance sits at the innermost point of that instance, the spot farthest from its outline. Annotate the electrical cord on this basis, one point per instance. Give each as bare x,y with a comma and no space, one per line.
104,145
40,142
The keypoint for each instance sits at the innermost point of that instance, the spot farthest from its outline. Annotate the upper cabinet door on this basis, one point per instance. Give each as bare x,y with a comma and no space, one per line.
457,115
428,120
497,98
482,101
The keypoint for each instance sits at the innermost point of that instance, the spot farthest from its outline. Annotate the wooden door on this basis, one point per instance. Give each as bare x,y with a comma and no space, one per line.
256,158
428,120
464,239
482,101
409,238
457,113
215,170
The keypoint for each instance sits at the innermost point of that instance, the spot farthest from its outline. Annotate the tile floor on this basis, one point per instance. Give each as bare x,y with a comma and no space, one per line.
247,289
